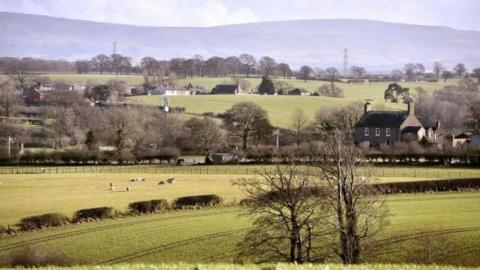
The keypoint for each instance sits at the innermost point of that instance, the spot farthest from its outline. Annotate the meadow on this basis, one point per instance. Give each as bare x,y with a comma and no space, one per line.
279,108
210,235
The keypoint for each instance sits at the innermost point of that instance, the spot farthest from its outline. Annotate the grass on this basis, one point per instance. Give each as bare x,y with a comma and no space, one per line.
210,235
73,188
279,108
283,266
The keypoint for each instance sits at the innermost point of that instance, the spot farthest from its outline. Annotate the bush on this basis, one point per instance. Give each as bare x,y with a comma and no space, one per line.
328,91
42,221
152,206
33,257
93,213
7,231
197,201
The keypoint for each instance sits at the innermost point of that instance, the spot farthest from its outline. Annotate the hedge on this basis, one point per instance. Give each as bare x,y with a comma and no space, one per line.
93,213
41,221
430,186
152,206
198,200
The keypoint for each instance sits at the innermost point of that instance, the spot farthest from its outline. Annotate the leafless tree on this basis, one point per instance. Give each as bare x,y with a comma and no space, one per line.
460,69
205,135
358,71
288,216
358,208
332,74
284,70
299,125
121,130
437,68
249,62
267,64
10,97
305,73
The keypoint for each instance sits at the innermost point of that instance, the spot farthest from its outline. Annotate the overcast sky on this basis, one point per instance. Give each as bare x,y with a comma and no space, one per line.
460,14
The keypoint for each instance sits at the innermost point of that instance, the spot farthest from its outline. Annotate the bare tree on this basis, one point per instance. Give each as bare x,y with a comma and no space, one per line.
437,68
476,74
121,130
446,74
249,61
299,125
357,206
358,71
332,74
205,135
305,72
10,97
284,70
288,215
460,69
267,64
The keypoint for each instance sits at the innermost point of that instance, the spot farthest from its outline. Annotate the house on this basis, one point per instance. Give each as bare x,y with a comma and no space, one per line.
465,138
387,127
168,91
229,89
432,131
298,92
223,158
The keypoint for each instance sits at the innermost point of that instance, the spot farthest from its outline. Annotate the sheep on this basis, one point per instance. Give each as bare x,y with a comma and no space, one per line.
161,182
171,180
128,188
112,188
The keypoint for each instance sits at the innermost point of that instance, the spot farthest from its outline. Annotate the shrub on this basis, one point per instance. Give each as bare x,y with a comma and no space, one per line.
328,91
152,206
33,257
93,213
197,201
7,231
430,186
42,221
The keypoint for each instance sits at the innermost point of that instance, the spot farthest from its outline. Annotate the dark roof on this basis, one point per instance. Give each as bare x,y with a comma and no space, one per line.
411,129
382,119
465,135
225,89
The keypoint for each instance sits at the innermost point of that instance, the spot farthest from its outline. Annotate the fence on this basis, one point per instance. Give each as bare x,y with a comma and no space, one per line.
387,172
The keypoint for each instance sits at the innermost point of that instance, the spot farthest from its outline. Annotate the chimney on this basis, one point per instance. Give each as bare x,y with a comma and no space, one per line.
411,108
368,106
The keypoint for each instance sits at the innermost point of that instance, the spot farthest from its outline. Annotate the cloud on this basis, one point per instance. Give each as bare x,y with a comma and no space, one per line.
455,13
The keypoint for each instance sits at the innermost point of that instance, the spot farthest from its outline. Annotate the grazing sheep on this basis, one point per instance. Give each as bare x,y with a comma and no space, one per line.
171,180
112,188
128,188
161,182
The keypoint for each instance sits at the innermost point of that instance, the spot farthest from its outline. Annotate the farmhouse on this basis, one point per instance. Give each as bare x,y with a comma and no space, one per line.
231,89
387,127
168,91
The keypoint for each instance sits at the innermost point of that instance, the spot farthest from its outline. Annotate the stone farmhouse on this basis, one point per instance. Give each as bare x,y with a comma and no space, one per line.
231,89
387,127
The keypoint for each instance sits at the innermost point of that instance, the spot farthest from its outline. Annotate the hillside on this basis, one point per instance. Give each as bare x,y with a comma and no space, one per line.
373,44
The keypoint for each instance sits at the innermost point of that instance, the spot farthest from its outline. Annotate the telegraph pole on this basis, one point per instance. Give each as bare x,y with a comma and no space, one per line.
345,62
10,146
277,133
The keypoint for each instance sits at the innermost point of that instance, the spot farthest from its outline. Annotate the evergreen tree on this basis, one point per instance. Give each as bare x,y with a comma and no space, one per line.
266,86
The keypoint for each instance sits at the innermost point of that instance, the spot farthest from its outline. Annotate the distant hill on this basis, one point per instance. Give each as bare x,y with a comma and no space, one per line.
320,43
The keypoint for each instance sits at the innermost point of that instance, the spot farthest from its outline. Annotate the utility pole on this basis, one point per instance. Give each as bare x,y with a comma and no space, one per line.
345,62
10,146
114,52
165,109
277,133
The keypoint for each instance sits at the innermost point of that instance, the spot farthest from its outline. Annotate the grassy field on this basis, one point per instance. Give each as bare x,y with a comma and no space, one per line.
67,189
210,235
185,266
279,108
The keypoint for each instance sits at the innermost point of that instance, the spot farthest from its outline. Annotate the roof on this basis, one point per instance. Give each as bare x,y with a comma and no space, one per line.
383,119
225,89
465,135
411,129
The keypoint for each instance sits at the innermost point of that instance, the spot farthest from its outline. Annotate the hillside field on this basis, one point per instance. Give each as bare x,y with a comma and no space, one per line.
211,235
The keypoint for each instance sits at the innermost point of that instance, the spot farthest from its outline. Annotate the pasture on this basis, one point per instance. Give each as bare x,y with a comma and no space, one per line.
210,235
33,190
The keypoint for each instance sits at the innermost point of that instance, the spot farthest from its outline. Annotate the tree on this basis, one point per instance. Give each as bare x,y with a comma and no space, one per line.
205,134
299,124
99,93
305,72
410,71
90,140
328,91
446,74
394,91
357,206
476,74
473,116
396,74
437,69
248,61
101,62
344,119
287,213
284,70
267,64
242,119
420,69
121,131
244,84
82,66
266,86
460,70
215,66
332,74
10,97
358,71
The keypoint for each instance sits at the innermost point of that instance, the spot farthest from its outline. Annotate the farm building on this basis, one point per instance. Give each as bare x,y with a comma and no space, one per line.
298,92
230,89
169,91
387,127
223,158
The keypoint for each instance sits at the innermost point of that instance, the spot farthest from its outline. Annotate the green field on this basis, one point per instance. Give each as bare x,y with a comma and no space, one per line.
210,235
185,266
279,108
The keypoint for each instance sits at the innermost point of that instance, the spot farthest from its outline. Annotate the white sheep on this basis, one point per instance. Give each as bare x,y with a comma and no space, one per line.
128,188
112,188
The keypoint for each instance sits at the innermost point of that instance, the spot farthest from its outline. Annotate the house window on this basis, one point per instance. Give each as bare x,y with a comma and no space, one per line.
387,132
367,132
377,132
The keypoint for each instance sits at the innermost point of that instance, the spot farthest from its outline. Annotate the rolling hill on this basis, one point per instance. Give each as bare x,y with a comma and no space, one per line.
320,43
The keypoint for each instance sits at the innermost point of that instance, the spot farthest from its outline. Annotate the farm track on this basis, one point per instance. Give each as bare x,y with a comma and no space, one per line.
103,228
140,254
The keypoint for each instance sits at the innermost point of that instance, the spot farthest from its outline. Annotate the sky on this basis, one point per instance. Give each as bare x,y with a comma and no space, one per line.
459,14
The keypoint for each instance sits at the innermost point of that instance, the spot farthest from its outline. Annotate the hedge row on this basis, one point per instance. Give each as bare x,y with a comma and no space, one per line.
430,186
91,214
